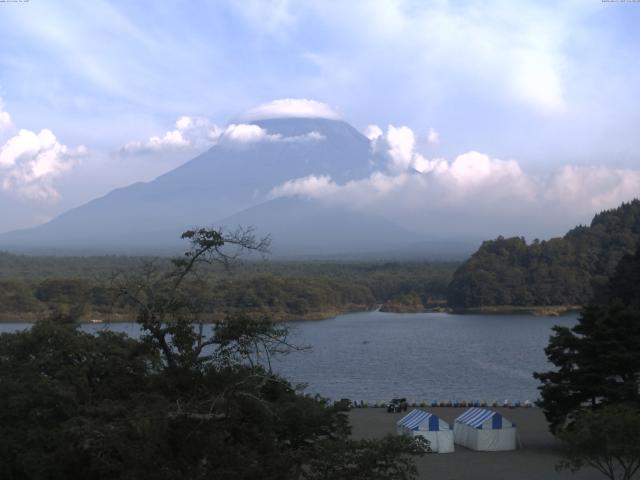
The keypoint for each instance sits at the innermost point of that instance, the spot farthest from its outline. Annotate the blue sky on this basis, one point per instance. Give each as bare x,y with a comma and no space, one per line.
547,84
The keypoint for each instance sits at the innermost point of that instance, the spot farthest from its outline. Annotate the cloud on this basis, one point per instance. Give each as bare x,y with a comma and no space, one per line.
373,132
469,175
291,108
29,162
247,133
5,118
398,145
243,133
473,194
515,54
535,78
311,186
401,142
433,137
198,133
592,187
190,133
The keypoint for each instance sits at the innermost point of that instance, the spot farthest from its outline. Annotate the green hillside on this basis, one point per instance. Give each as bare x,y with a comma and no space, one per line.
561,271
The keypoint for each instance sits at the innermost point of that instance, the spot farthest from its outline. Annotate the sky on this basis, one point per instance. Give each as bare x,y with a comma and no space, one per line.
532,103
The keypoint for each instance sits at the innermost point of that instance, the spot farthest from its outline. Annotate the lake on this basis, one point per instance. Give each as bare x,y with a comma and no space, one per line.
374,356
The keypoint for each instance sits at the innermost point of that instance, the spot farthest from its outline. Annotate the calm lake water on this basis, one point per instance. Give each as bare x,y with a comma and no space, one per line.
375,356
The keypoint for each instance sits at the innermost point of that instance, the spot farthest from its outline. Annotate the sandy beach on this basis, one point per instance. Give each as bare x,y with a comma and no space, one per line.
536,459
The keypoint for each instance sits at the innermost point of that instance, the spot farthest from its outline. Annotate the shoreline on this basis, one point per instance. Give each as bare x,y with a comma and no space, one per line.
536,310
209,318
100,317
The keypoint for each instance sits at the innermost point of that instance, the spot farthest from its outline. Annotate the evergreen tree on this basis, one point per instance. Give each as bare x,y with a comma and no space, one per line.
598,360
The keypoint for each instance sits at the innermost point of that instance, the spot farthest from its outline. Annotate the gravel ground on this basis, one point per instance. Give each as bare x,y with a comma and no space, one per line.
536,459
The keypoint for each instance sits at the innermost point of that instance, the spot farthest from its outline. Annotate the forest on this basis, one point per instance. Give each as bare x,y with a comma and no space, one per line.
31,288
505,272
571,270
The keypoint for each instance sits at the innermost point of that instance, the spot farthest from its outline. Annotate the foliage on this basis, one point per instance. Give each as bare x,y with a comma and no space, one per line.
404,303
181,403
279,290
607,439
65,396
598,360
362,460
562,271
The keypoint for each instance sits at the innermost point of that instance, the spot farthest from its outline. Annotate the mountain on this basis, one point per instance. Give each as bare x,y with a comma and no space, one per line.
571,270
305,227
229,185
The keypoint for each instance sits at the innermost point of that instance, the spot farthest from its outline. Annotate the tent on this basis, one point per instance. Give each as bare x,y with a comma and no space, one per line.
429,426
480,429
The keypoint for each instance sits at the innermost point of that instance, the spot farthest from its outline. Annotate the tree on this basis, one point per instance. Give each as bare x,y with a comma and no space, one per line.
66,398
607,439
598,360
560,271
183,402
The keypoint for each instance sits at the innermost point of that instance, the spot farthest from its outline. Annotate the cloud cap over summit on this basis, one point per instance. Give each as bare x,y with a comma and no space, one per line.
291,108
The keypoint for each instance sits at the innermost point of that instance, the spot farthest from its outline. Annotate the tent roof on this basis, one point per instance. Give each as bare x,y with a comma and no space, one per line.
475,417
415,418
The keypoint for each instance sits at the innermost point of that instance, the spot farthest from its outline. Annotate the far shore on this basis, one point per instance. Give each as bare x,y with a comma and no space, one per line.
101,317
538,310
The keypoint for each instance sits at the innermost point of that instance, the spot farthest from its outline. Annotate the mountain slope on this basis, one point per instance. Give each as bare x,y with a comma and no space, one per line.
562,271
300,226
231,177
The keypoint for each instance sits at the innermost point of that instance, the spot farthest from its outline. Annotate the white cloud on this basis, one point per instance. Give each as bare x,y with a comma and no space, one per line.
190,133
536,80
433,137
398,145
373,132
468,175
592,187
510,52
311,186
198,133
247,133
474,194
5,120
291,108
401,141
29,162
243,133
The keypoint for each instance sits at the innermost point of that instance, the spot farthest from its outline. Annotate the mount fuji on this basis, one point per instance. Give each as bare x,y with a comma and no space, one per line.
227,186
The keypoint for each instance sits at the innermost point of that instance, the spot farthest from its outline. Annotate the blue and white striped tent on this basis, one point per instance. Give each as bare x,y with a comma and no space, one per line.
429,426
481,429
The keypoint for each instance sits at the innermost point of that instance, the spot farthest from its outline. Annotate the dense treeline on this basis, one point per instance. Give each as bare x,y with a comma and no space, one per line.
33,287
562,271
